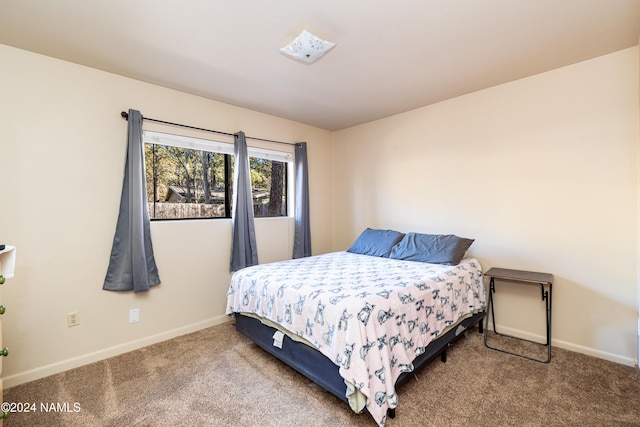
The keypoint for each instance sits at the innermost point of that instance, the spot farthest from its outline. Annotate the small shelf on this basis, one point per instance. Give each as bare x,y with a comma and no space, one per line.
7,261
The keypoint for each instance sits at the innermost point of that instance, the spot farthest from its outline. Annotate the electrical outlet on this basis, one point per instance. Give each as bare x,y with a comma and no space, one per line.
73,319
134,315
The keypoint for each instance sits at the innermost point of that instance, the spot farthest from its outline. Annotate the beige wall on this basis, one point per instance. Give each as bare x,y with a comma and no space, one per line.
542,172
62,152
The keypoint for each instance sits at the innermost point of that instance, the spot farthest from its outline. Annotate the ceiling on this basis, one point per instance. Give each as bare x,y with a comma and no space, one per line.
391,56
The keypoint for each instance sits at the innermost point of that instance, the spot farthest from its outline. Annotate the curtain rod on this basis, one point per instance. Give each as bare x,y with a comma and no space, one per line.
125,115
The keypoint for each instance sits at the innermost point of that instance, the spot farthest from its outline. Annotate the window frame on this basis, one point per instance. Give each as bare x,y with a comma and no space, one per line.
227,149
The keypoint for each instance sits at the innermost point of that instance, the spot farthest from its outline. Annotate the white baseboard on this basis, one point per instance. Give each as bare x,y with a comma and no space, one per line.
65,365
566,345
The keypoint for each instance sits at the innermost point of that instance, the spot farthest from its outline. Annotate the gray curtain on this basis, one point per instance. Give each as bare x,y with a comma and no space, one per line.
302,234
132,265
244,252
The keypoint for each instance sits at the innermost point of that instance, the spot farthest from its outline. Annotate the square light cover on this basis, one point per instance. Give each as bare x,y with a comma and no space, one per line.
307,47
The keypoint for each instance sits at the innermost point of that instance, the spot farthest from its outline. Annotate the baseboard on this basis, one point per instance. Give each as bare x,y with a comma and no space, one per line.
65,365
567,345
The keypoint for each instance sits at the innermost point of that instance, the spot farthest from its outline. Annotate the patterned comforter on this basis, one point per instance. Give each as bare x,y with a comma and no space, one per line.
372,316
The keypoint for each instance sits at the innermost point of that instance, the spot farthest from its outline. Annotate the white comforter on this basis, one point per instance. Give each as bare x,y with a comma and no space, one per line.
372,316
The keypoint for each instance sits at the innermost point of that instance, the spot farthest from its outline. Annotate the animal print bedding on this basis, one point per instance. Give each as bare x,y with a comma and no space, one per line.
372,316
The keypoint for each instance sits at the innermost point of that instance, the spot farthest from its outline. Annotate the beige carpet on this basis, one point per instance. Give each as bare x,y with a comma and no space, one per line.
216,377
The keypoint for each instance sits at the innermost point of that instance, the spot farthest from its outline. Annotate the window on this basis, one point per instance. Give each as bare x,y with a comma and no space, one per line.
191,178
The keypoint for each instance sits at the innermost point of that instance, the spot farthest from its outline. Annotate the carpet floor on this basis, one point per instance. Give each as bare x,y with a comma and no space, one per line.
217,377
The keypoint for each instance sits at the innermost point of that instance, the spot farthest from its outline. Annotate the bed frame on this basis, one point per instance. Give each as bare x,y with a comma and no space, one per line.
322,371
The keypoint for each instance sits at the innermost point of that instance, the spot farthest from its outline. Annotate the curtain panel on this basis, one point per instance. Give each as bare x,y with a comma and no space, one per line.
132,265
244,251
302,232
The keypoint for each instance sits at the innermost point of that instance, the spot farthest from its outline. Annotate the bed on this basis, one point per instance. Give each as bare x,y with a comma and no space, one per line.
360,322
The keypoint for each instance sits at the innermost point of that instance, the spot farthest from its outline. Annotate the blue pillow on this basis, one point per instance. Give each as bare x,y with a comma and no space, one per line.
376,242
433,248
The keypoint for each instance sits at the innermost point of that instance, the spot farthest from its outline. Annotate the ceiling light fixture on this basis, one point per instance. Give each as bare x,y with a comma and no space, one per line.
307,47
